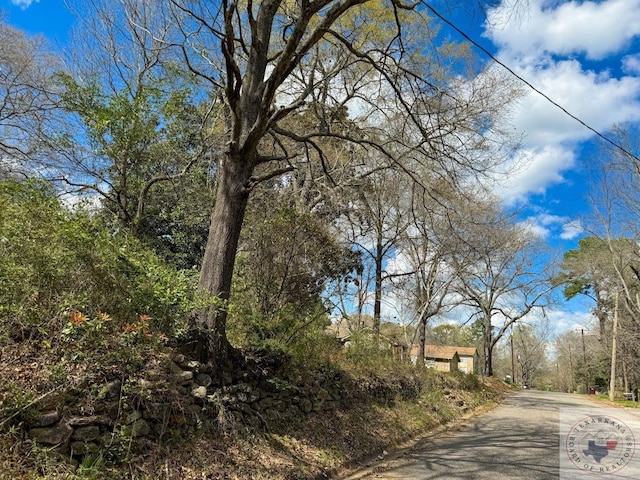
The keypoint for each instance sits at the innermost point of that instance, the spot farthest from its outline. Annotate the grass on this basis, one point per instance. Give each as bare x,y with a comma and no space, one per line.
622,402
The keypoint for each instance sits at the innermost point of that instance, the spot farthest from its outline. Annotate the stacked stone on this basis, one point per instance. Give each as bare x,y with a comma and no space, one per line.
258,404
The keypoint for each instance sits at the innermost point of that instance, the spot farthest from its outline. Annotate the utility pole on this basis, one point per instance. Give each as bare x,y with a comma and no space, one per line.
513,360
584,359
612,382
570,370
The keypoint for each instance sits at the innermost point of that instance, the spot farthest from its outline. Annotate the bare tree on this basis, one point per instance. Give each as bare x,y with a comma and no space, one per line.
377,220
134,117
26,95
530,344
616,203
428,250
271,61
503,276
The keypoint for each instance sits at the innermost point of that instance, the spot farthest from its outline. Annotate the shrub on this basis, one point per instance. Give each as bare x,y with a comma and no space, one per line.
54,262
367,350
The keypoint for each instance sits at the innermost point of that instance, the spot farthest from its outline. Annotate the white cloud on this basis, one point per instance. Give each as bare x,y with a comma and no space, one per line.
546,225
596,98
24,4
535,228
631,64
562,321
539,168
594,28
543,47
571,230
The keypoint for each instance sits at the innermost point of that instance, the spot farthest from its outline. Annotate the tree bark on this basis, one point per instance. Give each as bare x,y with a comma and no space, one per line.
422,340
377,303
488,346
211,344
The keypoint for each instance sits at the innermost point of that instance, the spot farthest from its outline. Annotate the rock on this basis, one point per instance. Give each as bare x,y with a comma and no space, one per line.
272,414
148,384
254,397
199,392
155,411
107,438
110,390
45,419
190,365
183,377
59,434
55,401
173,368
242,397
323,394
203,379
141,428
91,420
112,409
154,375
86,434
179,358
266,404
244,408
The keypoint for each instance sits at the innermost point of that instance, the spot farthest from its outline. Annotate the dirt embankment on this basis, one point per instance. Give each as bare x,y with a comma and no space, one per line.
275,427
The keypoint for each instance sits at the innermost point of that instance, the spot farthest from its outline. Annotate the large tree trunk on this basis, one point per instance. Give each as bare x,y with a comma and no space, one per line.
377,302
211,344
488,346
422,340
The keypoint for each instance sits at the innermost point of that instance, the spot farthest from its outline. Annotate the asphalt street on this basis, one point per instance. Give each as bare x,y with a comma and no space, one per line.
531,435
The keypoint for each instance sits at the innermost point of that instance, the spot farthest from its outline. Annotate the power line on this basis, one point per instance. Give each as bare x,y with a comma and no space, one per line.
528,84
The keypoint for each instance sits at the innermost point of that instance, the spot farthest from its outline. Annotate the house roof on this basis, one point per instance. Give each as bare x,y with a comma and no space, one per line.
467,351
437,351
445,351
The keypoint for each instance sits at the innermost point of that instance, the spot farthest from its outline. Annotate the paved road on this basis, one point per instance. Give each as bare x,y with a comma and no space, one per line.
527,437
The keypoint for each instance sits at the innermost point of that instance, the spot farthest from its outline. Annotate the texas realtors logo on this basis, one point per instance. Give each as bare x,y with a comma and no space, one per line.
600,444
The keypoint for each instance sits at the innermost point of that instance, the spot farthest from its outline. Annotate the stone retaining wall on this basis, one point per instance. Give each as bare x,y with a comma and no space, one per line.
169,397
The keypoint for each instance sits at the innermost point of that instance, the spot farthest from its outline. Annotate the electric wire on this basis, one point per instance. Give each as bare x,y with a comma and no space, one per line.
528,84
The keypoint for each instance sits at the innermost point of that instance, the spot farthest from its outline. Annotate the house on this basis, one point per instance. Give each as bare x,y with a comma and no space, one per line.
449,358
469,360
442,358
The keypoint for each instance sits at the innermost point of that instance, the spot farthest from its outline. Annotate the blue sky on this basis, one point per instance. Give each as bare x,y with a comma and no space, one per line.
48,17
585,55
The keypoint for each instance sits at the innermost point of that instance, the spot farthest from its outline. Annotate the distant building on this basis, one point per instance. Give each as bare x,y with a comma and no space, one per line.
449,358
469,360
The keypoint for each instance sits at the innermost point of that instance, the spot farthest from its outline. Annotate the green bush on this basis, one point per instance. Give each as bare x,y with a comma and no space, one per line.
286,259
367,350
55,262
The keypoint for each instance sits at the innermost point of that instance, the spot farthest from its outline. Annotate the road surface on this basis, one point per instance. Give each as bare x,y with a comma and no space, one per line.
532,435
